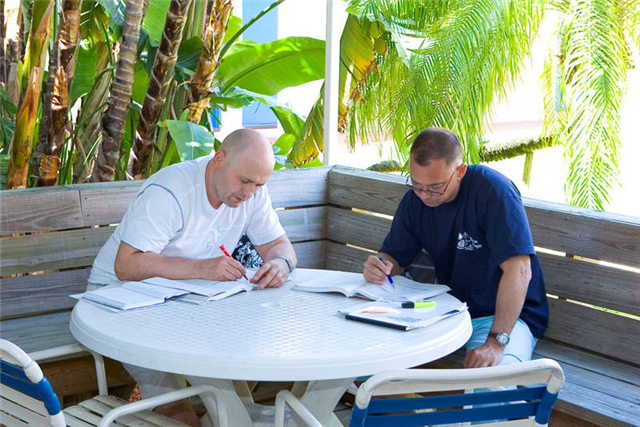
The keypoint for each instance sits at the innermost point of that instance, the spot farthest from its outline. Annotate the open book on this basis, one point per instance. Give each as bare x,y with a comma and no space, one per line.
199,291
392,315
354,285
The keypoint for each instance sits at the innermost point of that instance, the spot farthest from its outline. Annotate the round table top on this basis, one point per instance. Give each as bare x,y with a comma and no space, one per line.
268,335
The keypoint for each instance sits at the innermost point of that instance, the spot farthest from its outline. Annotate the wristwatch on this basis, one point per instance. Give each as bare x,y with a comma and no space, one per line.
501,337
288,261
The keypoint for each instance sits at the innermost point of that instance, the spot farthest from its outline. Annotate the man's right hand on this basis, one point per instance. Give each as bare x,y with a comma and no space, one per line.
376,271
221,268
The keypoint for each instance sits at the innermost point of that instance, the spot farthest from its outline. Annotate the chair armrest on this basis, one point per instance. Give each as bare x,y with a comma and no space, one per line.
152,402
285,396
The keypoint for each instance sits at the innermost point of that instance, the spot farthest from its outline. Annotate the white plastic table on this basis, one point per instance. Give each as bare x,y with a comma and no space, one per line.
264,335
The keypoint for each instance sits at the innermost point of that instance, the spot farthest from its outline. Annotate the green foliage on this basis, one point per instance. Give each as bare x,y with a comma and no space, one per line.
268,68
584,82
154,19
85,71
4,167
191,140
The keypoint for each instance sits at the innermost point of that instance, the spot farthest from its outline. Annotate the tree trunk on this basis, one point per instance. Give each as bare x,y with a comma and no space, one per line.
12,20
3,73
113,120
88,130
160,78
28,110
67,46
45,118
212,38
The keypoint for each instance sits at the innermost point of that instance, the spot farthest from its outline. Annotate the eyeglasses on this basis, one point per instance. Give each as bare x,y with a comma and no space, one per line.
419,190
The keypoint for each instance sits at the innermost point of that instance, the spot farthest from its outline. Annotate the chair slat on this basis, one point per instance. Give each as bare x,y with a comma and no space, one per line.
9,421
83,414
72,421
149,417
28,414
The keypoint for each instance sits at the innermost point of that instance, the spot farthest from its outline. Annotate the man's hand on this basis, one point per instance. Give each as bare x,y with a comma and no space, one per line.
376,271
272,274
221,268
488,354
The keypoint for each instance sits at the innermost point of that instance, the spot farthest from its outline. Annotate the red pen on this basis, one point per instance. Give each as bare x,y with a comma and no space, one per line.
224,250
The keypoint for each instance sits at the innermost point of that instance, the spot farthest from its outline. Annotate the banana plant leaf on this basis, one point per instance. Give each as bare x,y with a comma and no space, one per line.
192,140
154,20
268,68
85,72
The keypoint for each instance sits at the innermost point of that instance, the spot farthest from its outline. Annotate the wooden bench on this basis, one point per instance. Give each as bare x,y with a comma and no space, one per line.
336,217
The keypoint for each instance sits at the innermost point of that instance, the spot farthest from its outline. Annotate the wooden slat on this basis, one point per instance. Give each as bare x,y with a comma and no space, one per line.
41,293
591,283
356,228
78,248
304,224
345,258
78,375
39,209
298,187
602,332
51,251
371,191
310,254
38,333
596,407
626,374
106,203
584,232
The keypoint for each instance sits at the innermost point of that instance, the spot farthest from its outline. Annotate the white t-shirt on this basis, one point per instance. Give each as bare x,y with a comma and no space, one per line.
171,216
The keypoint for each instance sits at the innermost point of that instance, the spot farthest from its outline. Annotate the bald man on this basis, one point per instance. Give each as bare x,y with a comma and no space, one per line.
177,222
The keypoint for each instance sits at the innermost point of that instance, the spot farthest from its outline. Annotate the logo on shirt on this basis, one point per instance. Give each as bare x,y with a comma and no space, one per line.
467,243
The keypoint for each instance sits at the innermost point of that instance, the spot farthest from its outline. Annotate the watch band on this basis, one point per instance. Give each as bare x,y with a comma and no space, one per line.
288,261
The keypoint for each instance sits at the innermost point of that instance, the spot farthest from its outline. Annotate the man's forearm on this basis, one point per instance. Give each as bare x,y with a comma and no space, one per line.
512,291
143,265
283,249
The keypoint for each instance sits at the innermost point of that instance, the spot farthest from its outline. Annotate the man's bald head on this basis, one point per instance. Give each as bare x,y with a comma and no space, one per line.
247,144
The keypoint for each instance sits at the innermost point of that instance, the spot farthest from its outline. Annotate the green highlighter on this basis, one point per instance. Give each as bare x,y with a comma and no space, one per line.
418,304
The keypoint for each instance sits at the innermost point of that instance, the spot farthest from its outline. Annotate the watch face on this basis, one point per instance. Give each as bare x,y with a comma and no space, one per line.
502,338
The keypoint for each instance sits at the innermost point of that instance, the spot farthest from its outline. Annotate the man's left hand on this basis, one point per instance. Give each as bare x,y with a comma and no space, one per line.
488,354
272,274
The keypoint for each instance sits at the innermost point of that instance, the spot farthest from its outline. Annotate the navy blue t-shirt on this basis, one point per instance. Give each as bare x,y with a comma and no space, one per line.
468,238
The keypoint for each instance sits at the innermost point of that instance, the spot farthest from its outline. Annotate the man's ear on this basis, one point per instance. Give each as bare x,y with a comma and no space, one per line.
219,160
462,170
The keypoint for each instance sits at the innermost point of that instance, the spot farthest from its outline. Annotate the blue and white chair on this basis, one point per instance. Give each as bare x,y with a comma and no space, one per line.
529,404
27,399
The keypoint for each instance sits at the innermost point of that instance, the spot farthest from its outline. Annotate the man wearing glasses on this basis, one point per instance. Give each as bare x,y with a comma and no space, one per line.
471,220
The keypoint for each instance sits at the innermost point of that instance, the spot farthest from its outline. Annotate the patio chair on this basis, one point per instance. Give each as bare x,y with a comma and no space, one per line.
27,399
528,405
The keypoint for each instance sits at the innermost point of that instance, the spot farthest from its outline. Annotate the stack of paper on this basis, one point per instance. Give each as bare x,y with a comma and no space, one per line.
392,315
121,298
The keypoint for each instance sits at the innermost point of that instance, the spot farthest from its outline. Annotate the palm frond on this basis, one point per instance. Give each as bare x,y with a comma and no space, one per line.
589,83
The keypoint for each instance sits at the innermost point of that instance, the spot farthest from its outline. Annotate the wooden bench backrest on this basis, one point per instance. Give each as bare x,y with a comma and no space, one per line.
362,205
55,233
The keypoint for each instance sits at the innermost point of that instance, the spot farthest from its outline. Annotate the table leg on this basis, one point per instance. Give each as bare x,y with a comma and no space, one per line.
321,398
236,410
